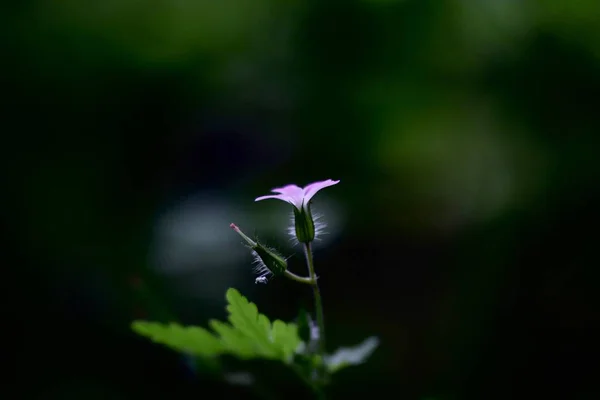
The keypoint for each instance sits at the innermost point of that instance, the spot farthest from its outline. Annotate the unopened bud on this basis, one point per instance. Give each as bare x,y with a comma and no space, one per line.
304,224
269,260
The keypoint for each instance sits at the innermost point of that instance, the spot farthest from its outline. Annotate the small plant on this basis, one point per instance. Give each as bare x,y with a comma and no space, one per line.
248,334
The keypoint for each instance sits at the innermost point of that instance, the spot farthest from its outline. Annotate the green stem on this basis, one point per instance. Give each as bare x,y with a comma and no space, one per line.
297,278
318,301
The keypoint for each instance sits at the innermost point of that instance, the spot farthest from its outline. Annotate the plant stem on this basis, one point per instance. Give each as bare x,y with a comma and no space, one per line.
317,295
301,279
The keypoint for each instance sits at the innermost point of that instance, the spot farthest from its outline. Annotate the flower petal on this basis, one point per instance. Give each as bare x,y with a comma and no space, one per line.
313,188
290,190
291,193
273,196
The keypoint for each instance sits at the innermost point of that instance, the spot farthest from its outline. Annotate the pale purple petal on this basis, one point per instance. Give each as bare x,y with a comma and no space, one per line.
290,193
290,190
313,188
273,196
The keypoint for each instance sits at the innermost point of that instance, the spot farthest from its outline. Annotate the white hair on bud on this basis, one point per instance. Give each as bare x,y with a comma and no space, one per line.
260,269
319,227
291,230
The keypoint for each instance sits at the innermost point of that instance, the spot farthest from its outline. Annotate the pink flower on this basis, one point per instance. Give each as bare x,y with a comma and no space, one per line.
304,225
297,196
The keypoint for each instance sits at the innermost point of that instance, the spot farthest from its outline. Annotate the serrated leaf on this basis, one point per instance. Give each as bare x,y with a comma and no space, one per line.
248,334
244,316
285,337
233,341
348,356
192,340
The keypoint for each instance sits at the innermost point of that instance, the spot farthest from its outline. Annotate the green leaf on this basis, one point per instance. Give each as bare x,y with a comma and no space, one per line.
192,340
233,341
285,338
348,356
248,334
277,341
244,317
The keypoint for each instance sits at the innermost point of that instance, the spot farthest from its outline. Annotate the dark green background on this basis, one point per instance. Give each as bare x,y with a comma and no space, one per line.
465,232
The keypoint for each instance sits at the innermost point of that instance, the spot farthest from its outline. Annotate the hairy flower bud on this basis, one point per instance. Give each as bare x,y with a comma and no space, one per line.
304,224
268,261
274,262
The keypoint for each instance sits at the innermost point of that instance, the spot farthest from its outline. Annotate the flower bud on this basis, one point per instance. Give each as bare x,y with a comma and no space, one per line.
274,262
268,260
304,224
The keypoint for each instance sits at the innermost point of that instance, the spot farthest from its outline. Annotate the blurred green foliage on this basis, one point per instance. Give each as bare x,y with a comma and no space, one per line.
249,334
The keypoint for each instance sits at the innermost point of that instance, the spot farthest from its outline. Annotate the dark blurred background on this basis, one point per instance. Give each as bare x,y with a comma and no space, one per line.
463,232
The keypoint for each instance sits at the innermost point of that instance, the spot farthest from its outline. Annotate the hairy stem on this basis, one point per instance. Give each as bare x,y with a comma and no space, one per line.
317,295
